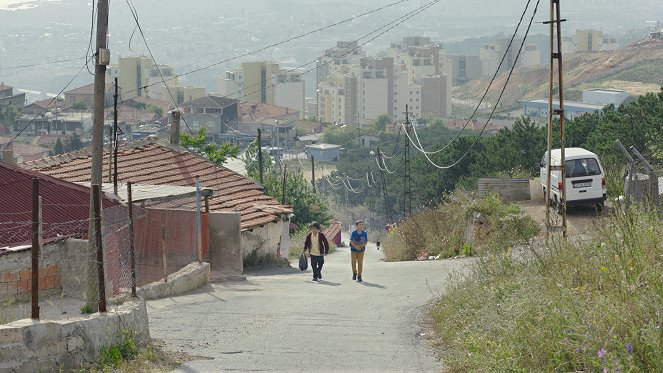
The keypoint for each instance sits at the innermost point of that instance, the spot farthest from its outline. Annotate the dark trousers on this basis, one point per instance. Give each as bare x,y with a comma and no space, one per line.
316,265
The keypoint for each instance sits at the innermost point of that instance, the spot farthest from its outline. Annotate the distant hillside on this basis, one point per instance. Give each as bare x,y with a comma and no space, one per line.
637,68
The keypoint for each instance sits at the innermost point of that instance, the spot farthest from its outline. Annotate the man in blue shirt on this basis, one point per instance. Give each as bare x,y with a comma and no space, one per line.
358,241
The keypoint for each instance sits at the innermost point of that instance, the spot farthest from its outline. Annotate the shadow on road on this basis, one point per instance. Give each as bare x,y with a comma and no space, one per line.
370,285
323,282
270,271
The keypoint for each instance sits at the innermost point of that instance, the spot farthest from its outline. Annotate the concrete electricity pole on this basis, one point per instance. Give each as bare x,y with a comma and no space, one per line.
102,59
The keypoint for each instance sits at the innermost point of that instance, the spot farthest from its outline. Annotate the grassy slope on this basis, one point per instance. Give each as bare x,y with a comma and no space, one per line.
594,306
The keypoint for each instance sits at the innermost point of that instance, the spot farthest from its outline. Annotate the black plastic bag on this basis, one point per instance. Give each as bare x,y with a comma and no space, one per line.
303,263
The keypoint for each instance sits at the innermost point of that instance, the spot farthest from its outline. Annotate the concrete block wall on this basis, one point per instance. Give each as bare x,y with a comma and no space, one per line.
43,345
508,189
17,283
61,270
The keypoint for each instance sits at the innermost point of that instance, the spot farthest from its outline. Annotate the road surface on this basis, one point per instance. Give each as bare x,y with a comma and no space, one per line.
280,320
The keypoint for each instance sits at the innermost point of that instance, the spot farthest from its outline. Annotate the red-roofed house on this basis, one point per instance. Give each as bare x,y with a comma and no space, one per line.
43,106
65,212
151,161
275,121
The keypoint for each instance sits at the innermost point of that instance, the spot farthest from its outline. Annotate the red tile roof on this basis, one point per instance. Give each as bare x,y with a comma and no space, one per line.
65,207
152,162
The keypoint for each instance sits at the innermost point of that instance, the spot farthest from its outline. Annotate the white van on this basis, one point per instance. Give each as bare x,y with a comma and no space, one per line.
585,179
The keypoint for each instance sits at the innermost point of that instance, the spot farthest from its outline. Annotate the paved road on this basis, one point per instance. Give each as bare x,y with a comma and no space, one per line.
280,320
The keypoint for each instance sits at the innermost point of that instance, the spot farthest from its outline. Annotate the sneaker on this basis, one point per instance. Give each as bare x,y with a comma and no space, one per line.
315,279
359,278
320,276
354,276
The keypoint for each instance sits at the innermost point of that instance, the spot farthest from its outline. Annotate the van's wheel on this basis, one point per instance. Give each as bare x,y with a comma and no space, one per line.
599,207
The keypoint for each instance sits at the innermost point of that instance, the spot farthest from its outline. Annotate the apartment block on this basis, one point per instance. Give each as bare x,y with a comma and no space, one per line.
140,77
464,69
491,55
355,91
264,82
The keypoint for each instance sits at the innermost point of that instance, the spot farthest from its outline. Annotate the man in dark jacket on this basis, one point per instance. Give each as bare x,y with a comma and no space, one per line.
317,245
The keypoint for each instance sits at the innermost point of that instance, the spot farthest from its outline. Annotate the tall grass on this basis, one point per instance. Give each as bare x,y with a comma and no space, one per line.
593,306
449,229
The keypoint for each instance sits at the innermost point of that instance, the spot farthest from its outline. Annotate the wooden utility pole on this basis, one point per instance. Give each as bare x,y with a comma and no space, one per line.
285,175
260,155
313,173
131,240
114,139
384,187
556,33
96,197
101,56
35,248
407,194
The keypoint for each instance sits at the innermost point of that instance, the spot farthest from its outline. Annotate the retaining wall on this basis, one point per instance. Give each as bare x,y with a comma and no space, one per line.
49,345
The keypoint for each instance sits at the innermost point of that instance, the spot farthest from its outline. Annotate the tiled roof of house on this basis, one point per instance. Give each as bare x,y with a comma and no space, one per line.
89,89
48,103
27,149
210,101
65,207
152,162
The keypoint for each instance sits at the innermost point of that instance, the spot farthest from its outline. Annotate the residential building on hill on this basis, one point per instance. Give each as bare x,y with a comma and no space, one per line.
215,113
8,98
140,76
492,53
264,82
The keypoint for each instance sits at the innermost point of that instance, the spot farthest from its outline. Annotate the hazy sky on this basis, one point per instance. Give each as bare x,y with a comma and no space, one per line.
196,33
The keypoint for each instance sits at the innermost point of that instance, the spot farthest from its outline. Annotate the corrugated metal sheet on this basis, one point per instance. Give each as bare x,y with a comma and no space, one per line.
65,206
152,162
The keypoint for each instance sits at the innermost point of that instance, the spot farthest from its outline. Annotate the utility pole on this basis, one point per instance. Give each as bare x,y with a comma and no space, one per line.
102,57
313,173
260,156
556,32
285,173
407,194
114,139
384,188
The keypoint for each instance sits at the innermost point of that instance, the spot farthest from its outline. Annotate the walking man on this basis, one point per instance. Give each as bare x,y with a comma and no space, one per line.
317,245
358,241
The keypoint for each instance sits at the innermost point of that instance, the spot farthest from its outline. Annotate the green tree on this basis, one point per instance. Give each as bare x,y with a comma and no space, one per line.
215,153
380,123
345,135
59,147
79,106
307,205
9,116
74,143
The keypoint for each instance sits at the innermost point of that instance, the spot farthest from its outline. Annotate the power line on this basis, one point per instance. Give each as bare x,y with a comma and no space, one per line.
388,27
47,106
420,148
41,64
280,42
492,80
134,13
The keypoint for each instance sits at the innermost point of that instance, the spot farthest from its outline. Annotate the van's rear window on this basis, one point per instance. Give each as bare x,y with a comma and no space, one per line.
582,167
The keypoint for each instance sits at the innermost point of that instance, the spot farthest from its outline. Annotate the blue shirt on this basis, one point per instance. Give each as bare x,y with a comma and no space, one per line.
358,238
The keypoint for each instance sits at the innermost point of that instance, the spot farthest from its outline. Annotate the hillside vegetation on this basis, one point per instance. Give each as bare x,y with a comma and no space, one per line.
571,307
637,63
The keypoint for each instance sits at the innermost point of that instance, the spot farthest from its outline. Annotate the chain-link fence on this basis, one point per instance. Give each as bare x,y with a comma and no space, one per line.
164,241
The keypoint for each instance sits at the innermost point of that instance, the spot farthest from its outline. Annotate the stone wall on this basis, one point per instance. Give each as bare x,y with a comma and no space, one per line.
268,239
42,345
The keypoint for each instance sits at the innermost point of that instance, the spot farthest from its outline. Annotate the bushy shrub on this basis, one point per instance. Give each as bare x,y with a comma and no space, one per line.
446,230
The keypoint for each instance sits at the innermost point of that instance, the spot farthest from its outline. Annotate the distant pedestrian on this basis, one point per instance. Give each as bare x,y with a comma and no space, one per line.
358,241
317,245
